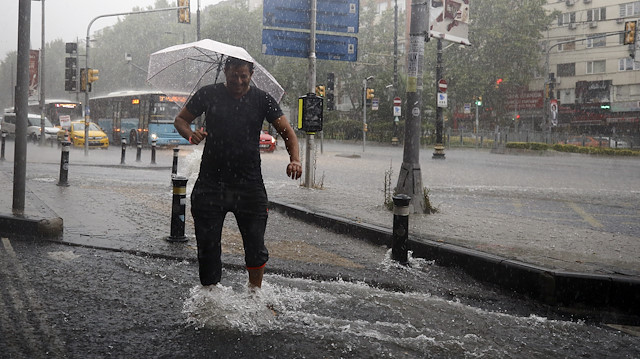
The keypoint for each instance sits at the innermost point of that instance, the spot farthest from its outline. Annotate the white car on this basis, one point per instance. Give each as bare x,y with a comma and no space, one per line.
33,128
618,143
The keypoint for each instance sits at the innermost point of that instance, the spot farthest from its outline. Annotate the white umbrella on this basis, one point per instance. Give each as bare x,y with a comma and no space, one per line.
187,67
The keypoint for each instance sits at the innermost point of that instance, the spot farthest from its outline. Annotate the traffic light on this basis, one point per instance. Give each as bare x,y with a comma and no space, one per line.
310,113
479,101
331,105
71,48
320,90
370,94
498,82
605,106
84,85
184,15
93,75
70,74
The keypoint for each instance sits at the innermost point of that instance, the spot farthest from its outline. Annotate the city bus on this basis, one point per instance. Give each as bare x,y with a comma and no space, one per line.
59,112
139,116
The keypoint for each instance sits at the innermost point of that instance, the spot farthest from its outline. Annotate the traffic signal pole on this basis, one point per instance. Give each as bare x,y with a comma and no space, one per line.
87,110
410,178
439,147
310,143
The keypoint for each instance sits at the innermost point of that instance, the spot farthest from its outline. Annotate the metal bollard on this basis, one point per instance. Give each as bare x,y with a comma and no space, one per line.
399,250
139,151
153,152
174,168
178,209
64,164
124,150
4,136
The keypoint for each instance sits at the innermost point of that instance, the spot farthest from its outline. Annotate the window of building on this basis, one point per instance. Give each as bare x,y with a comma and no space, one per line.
630,9
627,64
570,46
565,70
597,14
596,67
597,40
566,18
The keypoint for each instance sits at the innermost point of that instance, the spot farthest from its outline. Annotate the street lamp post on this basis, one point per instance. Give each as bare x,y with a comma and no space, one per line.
364,111
41,78
86,65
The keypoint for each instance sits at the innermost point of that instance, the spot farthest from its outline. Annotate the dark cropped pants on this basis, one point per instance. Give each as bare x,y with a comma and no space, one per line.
210,203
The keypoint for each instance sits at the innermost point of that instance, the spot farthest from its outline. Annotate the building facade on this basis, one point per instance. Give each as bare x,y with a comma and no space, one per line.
588,71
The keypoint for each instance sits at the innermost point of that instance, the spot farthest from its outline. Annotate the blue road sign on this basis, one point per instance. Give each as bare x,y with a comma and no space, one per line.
296,44
331,15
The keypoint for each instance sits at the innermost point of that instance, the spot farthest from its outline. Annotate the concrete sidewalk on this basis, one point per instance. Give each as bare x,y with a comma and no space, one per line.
492,247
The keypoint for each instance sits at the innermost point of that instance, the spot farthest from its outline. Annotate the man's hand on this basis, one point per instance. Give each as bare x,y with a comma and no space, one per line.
197,136
294,170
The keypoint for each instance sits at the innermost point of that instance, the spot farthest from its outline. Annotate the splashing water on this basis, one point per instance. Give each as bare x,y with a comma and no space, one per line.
221,307
414,263
191,168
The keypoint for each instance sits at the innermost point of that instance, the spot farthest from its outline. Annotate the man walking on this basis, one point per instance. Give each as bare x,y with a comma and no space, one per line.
230,178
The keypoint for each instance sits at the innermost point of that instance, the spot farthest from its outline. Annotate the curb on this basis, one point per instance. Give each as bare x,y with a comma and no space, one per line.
616,294
22,225
40,220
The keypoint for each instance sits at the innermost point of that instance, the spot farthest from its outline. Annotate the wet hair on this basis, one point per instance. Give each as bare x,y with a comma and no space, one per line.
233,61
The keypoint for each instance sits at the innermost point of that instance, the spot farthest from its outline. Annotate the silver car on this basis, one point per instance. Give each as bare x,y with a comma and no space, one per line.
33,129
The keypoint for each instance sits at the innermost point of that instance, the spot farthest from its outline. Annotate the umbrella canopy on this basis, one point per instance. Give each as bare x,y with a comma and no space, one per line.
187,67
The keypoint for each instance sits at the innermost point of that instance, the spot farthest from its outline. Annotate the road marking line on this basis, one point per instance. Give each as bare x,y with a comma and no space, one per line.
585,216
517,204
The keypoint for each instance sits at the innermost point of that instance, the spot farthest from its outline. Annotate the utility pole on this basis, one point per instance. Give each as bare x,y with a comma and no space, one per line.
364,111
439,147
394,139
197,23
310,143
410,178
41,77
21,106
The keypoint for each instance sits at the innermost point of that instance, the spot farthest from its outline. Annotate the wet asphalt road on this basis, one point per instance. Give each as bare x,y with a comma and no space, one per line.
60,301
68,301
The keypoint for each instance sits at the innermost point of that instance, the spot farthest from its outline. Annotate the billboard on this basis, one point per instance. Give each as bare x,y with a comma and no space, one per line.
34,57
449,20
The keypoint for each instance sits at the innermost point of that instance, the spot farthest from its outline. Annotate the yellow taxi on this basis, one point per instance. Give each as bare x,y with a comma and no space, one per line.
75,134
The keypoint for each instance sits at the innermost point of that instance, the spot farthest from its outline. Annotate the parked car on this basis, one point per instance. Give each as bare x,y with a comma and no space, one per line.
33,127
75,134
612,142
617,143
267,142
587,141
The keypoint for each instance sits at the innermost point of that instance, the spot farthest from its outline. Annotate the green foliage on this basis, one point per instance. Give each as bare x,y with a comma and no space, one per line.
595,150
535,146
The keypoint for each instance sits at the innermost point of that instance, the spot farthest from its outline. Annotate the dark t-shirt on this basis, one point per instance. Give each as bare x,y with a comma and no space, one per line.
231,153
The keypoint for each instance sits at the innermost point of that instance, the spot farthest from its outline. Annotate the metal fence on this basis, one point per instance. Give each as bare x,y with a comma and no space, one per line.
493,139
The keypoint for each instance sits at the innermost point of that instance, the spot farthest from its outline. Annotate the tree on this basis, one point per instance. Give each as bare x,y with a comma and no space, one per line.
505,37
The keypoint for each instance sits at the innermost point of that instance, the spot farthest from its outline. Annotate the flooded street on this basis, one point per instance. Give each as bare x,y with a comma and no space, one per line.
126,292
89,303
